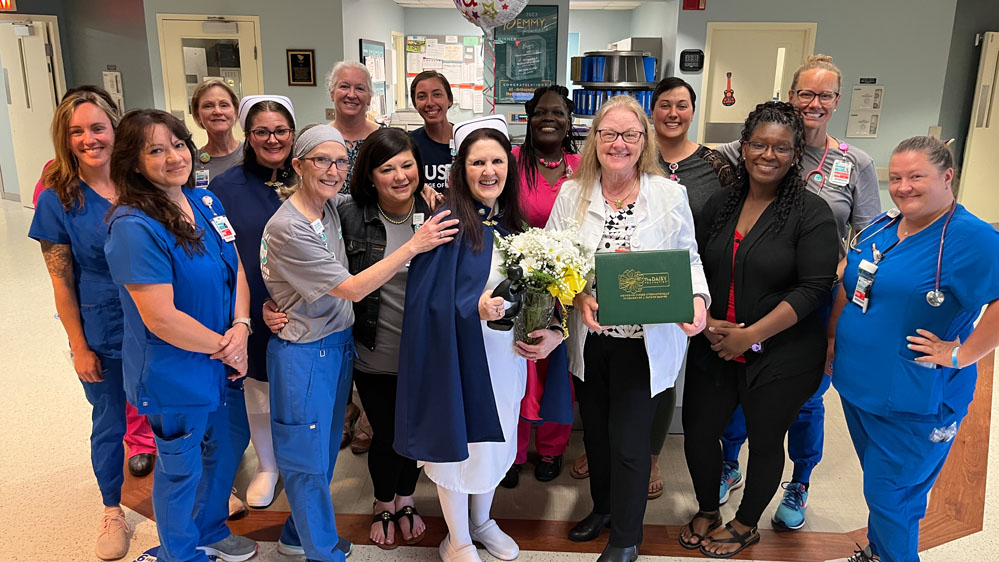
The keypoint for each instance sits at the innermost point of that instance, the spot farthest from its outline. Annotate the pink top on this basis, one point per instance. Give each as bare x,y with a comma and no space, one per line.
39,188
537,203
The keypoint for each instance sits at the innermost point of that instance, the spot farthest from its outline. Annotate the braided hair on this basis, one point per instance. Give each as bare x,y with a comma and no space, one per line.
790,192
528,161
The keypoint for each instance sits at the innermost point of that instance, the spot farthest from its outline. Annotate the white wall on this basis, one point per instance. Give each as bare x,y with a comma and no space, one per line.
903,46
303,24
599,28
374,20
658,19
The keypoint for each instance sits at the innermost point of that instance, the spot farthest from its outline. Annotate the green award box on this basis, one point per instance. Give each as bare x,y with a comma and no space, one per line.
650,287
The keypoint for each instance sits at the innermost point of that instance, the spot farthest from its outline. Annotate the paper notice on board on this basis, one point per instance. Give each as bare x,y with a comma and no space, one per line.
863,124
435,52
467,73
431,42
452,71
866,98
450,38
465,97
432,64
414,63
453,52
478,99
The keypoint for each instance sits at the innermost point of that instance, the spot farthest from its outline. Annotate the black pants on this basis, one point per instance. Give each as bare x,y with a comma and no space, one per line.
617,411
709,399
391,473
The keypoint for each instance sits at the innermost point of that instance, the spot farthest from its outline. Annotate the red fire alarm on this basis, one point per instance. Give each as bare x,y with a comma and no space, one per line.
7,5
693,4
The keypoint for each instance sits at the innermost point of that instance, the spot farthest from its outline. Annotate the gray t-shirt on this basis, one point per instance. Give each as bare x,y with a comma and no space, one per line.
698,176
301,263
216,165
854,205
385,357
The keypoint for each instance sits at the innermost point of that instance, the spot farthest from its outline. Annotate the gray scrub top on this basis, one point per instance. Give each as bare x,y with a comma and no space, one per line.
300,268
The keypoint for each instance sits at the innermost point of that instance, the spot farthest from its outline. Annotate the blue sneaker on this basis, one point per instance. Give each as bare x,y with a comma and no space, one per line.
731,478
790,514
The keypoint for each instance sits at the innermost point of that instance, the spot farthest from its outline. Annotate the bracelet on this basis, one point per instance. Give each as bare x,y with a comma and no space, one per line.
953,357
558,329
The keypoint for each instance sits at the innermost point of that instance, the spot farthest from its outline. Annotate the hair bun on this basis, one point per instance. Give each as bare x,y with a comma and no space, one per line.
819,58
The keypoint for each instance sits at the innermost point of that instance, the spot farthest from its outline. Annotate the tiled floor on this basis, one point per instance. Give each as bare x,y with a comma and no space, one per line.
50,506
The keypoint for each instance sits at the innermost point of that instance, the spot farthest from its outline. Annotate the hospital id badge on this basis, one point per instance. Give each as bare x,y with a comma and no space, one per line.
841,173
223,227
201,178
417,221
865,280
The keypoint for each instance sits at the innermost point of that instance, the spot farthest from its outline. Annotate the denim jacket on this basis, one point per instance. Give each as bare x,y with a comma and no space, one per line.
364,236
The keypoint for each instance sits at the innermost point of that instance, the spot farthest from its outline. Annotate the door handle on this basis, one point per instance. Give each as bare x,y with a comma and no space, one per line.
6,86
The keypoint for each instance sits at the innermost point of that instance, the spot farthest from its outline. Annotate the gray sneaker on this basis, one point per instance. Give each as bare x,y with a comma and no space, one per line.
233,548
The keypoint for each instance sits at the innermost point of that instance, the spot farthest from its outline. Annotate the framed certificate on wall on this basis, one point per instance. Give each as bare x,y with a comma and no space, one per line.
301,67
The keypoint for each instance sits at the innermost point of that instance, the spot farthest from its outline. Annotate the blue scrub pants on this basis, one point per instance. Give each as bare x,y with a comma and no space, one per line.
107,452
309,387
805,438
199,452
900,465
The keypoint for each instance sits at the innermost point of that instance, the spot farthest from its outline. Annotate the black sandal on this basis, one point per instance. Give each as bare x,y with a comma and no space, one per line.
749,538
408,512
386,519
716,522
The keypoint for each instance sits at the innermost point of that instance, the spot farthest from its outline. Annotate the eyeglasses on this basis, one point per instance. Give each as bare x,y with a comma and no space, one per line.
323,163
757,148
263,134
609,136
825,98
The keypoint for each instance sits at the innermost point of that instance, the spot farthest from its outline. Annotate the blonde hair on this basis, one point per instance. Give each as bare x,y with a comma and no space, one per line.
821,62
588,174
64,171
339,67
203,87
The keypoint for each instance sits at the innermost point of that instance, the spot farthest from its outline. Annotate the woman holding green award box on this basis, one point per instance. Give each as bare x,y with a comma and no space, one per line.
621,201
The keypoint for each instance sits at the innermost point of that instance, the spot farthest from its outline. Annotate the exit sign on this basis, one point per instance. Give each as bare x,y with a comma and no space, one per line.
8,5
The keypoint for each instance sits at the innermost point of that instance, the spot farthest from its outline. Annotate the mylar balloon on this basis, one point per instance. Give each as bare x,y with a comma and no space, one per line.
488,14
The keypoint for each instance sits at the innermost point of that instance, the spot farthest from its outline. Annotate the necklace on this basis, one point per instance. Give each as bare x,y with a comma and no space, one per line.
404,220
672,170
619,203
552,165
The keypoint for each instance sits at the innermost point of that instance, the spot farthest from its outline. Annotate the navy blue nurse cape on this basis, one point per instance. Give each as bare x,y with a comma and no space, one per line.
445,397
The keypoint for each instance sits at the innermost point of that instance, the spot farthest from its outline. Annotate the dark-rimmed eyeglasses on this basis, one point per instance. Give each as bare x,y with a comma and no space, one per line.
262,134
609,136
781,150
825,98
324,164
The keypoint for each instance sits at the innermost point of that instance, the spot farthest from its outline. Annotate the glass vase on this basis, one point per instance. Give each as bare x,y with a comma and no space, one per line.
536,314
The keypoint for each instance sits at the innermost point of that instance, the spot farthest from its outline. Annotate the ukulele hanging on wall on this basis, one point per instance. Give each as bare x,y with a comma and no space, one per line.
729,98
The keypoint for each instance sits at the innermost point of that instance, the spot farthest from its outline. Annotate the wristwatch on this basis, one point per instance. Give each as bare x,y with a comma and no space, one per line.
558,329
249,325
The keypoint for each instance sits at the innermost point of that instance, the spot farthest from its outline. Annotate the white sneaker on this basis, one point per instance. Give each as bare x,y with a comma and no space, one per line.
497,543
466,553
290,549
260,492
861,555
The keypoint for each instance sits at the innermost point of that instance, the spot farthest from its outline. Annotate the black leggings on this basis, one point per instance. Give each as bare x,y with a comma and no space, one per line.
391,473
709,399
616,408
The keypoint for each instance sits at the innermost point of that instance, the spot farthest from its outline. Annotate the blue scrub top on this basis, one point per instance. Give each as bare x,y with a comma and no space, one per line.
873,368
85,230
161,378
250,204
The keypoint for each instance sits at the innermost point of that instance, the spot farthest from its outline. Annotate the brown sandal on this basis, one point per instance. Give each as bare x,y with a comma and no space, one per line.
578,473
716,522
349,420
408,512
386,519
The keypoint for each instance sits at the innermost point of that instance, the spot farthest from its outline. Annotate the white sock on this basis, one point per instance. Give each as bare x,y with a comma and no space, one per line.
479,507
260,435
454,506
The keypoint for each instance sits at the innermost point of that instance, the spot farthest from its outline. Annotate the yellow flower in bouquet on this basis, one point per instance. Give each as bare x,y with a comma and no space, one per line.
566,289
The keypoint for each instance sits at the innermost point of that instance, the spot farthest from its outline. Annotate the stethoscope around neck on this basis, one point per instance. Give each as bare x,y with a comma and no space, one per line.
817,174
935,297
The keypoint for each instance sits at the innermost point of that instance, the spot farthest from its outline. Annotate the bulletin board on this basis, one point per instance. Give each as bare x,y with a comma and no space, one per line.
457,57
373,57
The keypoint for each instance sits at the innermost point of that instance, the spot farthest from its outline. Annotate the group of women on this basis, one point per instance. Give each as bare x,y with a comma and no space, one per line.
326,237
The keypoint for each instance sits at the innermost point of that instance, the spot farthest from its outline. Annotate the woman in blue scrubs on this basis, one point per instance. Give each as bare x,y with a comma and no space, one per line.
303,260
906,344
186,305
69,224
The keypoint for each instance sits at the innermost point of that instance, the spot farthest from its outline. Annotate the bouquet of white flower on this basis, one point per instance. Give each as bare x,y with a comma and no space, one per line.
555,266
